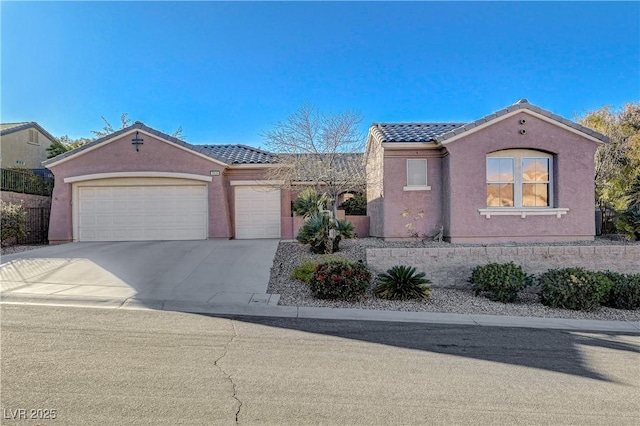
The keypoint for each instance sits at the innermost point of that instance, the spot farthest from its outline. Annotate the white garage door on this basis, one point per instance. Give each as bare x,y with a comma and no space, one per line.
257,212
131,213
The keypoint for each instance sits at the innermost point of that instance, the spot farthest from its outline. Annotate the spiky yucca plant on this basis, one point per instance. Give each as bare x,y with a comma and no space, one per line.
402,283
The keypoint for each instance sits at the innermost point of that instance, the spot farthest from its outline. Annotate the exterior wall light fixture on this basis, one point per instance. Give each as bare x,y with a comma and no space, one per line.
137,142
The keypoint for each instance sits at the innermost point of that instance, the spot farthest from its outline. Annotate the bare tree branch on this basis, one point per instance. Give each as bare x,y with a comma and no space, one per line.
325,151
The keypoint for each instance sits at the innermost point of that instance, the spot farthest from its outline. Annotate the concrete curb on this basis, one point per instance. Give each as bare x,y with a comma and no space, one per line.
270,310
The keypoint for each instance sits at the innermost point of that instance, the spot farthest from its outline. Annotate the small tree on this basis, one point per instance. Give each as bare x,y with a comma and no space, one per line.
13,222
108,128
124,123
320,149
616,162
629,221
355,206
64,144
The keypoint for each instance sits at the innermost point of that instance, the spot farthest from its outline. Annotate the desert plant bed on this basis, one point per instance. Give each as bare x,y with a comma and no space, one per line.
444,300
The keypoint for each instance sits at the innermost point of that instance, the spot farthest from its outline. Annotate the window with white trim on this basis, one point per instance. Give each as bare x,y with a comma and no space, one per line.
416,174
520,179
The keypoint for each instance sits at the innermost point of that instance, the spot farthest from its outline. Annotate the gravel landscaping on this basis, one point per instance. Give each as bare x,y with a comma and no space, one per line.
445,300
19,248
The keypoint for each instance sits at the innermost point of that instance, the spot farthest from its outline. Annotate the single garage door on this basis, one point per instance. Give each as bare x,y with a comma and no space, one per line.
257,212
141,213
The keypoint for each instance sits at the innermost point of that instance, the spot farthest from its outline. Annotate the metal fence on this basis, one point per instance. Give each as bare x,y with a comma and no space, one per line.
37,226
37,182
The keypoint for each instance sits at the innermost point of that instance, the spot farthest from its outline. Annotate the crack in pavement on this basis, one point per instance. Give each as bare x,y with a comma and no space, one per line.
227,375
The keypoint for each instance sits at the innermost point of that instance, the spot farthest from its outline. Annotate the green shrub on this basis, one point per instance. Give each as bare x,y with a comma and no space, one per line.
340,280
305,270
355,206
317,231
309,202
573,288
13,220
307,267
500,281
628,222
402,283
624,292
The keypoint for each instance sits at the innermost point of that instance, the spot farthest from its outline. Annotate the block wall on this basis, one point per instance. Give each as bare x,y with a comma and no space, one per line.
451,267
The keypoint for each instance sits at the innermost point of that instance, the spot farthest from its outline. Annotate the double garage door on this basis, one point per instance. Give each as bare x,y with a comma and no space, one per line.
128,211
139,213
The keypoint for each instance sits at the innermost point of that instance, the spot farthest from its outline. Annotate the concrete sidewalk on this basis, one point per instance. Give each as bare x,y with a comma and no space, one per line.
267,305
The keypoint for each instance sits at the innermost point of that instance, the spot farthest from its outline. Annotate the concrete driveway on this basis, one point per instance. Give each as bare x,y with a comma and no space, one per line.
149,272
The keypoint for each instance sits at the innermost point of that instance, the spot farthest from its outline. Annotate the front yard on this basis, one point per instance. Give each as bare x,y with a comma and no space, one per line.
444,300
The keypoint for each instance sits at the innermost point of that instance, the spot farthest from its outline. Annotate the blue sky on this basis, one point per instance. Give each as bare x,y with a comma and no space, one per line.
227,71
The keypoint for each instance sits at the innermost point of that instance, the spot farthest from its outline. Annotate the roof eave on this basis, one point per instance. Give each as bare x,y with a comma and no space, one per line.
512,110
62,158
409,145
26,126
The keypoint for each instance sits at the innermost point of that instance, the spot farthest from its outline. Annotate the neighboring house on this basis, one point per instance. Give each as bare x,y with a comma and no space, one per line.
24,145
141,184
519,174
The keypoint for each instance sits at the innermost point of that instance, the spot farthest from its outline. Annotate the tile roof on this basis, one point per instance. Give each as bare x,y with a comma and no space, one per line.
228,154
440,132
240,154
411,132
348,163
7,128
522,104
134,126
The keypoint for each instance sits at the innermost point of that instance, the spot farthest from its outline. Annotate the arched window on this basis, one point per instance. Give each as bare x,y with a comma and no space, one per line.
519,178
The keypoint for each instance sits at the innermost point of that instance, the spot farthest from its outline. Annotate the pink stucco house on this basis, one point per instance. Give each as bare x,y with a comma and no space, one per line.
141,184
519,174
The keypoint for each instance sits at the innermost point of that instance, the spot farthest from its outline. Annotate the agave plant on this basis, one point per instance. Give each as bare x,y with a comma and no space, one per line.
402,283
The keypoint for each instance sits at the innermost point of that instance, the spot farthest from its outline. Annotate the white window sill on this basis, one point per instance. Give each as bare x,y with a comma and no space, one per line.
523,212
416,188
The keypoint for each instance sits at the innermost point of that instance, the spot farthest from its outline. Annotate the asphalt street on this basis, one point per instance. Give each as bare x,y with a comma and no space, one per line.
126,367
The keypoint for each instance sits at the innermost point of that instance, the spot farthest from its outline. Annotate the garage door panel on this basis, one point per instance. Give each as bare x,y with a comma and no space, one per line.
102,221
126,213
88,206
103,192
257,212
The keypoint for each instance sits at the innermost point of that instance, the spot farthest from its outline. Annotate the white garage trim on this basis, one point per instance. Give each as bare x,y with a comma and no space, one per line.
256,182
137,174
141,191
257,212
